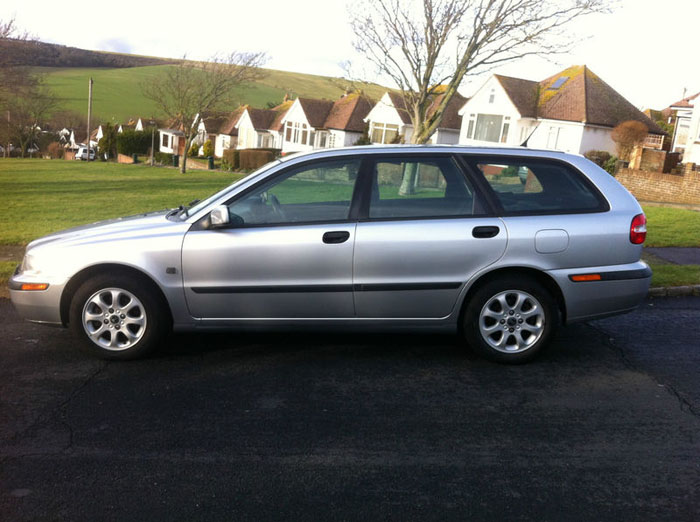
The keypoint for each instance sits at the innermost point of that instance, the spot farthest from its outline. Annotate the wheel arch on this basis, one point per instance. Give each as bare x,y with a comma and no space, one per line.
538,275
111,268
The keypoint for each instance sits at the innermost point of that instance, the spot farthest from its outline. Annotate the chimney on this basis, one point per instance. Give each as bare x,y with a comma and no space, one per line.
685,89
286,98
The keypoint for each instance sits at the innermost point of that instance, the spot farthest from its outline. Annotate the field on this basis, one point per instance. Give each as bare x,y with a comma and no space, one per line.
43,196
117,93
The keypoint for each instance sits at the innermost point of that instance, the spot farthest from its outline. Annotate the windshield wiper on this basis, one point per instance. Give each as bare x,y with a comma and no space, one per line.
185,208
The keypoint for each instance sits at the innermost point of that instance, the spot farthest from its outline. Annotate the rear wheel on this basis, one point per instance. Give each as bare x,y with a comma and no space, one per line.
510,319
118,316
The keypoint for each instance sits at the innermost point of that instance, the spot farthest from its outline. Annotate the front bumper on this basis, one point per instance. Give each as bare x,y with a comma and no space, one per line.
621,289
39,306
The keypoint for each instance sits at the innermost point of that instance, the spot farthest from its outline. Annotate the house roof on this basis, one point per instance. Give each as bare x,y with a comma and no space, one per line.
400,105
574,94
316,111
348,113
261,118
280,110
686,102
212,124
450,118
228,126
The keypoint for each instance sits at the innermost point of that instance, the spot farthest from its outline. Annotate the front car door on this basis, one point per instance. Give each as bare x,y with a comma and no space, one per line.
287,253
423,232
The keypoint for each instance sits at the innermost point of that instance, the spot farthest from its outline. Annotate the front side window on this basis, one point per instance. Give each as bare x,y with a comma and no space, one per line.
488,127
537,186
320,192
431,187
384,132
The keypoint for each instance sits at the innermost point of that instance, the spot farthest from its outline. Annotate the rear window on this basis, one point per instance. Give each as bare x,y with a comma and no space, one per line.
525,186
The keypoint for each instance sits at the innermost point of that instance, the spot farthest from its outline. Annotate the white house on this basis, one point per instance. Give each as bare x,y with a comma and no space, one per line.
572,111
389,120
171,141
320,124
253,128
691,129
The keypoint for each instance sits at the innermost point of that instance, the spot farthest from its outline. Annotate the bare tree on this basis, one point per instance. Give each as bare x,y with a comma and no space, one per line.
27,112
187,91
425,45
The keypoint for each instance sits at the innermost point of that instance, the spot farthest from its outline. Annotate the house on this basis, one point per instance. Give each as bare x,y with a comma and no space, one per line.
681,114
389,120
96,135
171,141
227,136
318,124
253,128
572,111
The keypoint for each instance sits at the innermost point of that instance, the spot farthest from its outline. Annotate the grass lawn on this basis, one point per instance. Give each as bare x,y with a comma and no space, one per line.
675,275
43,196
675,227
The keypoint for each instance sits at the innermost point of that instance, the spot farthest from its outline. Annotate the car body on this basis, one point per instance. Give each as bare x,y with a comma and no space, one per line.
82,154
410,238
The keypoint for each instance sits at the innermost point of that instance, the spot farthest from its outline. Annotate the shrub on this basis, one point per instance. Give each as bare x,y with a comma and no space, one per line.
208,149
108,142
55,150
163,158
364,139
628,135
611,165
255,158
231,159
194,150
599,157
132,142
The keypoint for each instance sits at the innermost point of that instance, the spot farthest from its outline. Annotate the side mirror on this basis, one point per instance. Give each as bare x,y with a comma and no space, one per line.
218,217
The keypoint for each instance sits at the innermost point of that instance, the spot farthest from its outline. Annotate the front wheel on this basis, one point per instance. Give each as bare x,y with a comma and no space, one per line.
510,320
118,317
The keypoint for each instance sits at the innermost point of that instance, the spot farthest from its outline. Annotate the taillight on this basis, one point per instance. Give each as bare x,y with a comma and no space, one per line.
638,229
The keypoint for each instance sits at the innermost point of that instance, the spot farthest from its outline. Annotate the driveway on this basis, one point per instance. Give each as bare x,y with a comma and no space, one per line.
355,427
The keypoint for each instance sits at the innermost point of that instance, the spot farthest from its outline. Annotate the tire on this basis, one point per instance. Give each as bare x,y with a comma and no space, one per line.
510,319
119,316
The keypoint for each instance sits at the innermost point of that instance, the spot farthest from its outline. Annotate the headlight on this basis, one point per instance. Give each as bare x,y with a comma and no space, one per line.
26,263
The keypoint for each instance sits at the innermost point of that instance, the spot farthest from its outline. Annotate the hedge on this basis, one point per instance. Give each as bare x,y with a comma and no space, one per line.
231,159
133,142
255,158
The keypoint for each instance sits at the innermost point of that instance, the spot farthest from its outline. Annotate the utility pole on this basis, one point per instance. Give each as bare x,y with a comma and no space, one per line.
7,149
89,116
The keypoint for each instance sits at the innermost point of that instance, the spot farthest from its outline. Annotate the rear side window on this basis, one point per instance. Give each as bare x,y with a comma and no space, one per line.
415,188
525,186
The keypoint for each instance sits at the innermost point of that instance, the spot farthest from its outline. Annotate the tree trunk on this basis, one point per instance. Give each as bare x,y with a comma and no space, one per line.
408,182
183,163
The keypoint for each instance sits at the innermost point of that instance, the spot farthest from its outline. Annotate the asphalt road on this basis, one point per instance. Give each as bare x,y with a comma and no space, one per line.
605,426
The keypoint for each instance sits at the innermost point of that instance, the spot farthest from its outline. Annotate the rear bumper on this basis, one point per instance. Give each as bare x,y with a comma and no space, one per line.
41,306
620,289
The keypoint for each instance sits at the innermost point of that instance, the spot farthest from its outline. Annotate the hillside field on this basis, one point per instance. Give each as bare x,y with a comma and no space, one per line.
117,93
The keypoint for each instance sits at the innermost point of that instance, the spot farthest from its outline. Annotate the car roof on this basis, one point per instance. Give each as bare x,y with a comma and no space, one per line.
422,149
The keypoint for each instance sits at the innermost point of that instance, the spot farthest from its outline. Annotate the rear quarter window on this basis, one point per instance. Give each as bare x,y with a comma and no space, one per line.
532,186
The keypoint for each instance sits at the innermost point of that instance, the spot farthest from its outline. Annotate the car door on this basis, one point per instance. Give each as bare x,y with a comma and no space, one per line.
423,233
287,253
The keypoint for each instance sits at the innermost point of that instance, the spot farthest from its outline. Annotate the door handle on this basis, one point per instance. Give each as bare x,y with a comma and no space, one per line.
485,232
336,237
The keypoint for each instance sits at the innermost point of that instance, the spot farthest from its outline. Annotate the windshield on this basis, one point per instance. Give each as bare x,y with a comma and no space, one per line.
208,201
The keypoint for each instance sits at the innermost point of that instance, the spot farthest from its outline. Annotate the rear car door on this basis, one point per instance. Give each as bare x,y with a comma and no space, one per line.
423,232
287,254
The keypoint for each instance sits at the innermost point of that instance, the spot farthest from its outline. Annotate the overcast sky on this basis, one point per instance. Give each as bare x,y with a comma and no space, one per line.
648,50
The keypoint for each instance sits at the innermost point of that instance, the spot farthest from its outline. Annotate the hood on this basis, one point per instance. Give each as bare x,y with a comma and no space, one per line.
143,223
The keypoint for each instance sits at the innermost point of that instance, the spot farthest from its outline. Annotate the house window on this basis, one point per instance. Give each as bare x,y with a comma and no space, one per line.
504,132
470,127
488,127
312,138
384,132
322,139
165,142
331,141
297,133
288,132
553,137
492,96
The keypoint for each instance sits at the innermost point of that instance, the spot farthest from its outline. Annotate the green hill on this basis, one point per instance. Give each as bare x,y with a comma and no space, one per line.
117,92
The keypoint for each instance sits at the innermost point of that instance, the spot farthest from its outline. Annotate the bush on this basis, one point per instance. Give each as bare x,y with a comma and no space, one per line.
108,142
231,160
194,150
132,142
611,165
163,158
255,158
599,157
55,150
628,135
208,149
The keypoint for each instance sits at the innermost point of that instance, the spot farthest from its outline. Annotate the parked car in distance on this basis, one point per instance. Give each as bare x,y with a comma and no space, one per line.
419,238
82,154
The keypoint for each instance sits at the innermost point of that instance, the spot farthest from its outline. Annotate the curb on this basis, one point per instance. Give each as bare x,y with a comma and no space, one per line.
674,291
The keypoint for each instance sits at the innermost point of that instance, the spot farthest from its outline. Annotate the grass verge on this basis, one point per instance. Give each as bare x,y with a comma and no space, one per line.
672,227
675,275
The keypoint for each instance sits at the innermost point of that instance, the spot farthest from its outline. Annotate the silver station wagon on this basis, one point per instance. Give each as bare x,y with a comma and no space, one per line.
501,245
